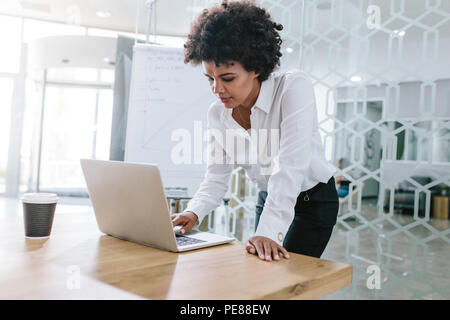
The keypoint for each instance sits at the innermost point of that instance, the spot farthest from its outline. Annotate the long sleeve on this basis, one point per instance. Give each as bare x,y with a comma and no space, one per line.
298,118
218,172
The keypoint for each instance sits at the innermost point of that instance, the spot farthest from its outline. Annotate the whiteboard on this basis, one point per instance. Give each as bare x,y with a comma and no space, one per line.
168,97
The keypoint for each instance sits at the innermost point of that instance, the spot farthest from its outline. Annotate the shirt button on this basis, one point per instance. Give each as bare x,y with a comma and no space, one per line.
280,237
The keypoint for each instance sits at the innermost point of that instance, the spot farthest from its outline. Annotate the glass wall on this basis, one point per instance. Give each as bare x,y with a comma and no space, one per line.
382,83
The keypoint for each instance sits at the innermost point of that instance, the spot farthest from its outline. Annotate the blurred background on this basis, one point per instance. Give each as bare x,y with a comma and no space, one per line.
381,73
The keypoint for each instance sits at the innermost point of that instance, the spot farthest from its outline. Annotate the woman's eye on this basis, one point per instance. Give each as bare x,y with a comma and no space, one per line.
226,80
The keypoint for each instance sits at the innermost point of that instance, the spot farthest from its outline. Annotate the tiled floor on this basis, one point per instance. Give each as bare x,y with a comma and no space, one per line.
413,257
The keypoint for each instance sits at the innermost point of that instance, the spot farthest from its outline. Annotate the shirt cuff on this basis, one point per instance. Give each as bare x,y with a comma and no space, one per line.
199,209
272,227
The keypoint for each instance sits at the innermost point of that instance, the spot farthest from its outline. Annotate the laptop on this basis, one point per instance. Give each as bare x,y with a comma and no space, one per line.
130,204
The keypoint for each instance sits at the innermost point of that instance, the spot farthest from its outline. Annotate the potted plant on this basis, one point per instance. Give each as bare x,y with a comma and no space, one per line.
444,190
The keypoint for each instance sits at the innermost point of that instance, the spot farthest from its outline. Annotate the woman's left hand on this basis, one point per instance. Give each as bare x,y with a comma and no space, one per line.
266,248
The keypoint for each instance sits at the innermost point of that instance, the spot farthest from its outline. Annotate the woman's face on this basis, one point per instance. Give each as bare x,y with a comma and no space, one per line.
232,83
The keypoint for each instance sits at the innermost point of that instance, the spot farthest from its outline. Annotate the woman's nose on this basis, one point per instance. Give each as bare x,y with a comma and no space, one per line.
217,88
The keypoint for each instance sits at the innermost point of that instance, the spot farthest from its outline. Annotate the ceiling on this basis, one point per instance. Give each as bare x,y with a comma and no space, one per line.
174,16
122,13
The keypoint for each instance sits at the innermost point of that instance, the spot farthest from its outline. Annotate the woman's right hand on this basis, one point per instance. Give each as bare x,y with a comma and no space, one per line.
186,220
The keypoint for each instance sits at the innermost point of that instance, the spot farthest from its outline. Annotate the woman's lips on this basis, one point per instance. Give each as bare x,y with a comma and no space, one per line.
225,100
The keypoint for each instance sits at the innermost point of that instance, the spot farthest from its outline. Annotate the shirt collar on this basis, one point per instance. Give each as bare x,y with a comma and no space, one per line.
263,102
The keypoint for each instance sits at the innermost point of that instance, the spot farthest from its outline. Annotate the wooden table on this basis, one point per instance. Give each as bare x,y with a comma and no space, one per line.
79,262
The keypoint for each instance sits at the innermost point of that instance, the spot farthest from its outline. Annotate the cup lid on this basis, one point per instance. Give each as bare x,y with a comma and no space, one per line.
40,198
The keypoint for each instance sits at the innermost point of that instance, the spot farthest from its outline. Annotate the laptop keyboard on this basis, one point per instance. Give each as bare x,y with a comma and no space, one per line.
184,241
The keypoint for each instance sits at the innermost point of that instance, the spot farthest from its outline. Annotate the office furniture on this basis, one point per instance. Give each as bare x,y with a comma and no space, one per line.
440,207
404,196
77,261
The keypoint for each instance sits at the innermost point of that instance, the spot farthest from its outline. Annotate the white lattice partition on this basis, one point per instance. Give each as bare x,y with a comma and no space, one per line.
236,217
396,109
382,81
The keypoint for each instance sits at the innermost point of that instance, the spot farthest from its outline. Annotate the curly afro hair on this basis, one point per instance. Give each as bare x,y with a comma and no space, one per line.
238,31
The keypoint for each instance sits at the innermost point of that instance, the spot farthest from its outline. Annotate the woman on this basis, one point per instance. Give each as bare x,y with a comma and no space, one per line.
239,47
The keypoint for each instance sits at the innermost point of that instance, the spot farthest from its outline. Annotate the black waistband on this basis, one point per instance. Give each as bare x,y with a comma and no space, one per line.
317,187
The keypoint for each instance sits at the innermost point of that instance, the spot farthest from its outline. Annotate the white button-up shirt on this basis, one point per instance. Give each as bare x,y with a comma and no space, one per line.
290,154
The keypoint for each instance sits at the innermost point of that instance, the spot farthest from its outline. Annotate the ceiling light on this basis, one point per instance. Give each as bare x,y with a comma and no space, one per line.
356,78
289,50
31,6
108,61
103,14
400,33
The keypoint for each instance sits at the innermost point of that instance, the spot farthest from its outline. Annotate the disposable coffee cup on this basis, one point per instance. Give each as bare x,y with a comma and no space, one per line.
38,213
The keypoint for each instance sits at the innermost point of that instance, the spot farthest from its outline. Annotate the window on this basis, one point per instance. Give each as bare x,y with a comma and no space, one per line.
77,124
6,88
107,75
103,127
77,111
72,74
67,136
11,35
30,135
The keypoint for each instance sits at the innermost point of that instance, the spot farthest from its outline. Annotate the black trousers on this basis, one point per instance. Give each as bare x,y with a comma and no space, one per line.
315,216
